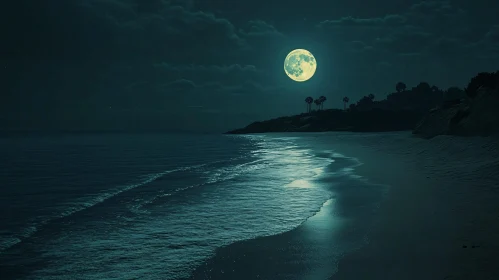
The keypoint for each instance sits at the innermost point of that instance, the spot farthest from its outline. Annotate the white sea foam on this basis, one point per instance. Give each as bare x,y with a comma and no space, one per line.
213,176
243,200
84,203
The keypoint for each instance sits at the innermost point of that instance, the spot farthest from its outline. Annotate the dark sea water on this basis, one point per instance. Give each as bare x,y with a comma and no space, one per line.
158,206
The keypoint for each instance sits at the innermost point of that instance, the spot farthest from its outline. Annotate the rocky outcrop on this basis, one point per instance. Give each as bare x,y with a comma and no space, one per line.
472,117
438,121
481,117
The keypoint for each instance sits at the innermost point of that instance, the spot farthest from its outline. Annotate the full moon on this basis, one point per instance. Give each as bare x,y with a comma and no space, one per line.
300,65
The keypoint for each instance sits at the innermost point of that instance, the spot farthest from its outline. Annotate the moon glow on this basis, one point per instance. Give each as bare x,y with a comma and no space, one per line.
300,65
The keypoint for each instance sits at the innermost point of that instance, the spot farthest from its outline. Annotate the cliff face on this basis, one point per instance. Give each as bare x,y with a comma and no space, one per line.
481,117
476,117
438,121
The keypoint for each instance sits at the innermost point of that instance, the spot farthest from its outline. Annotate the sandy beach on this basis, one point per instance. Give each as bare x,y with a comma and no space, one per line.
439,220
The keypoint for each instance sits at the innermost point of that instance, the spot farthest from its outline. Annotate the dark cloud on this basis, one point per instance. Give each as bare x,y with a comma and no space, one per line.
446,46
210,64
173,32
441,17
111,30
204,69
261,38
251,88
405,41
408,32
492,35
485,46
219,90
178,86
388,20
228,74
359,46
439,8
260,28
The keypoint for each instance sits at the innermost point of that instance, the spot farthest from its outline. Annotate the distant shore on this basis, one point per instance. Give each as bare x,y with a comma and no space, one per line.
424,111
377,120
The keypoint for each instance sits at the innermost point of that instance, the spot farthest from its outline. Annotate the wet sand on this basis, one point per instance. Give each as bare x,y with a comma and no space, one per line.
440,219
311,250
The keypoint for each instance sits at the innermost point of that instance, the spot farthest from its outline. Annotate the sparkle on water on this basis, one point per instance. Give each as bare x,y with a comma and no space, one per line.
300,65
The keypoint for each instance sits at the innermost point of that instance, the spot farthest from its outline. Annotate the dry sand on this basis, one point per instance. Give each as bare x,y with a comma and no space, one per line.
441,219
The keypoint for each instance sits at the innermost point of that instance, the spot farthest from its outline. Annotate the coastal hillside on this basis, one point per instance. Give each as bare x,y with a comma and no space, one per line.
475,115
427,110
401,110
337,120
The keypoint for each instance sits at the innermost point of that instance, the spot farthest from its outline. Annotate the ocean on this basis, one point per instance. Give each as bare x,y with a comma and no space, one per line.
160,206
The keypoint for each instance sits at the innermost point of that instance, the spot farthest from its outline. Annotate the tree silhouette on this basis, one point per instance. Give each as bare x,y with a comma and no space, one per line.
365,102
345,101
309,101
317,103
480,81
400,87
322,99
423,87
435,89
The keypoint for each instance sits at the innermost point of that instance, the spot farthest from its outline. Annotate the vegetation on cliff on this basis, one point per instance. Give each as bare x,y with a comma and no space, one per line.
429,110
474,115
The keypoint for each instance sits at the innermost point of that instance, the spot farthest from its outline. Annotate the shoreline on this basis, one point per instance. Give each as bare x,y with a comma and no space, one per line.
440,220
312,249
432,225
409,237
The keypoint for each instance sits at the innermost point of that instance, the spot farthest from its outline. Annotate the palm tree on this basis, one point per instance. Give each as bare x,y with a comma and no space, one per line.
317,103
309,101
322,98
400,87
345,102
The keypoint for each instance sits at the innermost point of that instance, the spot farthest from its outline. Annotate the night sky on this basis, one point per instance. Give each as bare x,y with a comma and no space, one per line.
207,65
